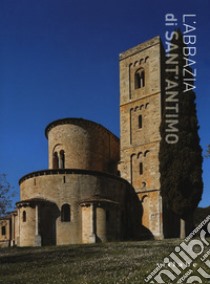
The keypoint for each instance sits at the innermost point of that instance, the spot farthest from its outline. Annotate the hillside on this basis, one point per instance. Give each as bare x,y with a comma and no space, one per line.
109,263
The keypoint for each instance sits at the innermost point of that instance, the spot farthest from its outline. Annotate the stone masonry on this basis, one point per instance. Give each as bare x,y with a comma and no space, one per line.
97,187
140,116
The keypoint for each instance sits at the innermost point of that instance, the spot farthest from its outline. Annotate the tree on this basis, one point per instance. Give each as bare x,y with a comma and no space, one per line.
5,194
208,152
180,159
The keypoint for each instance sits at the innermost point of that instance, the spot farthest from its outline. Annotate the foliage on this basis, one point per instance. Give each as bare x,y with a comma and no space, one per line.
208,152
181,162
5,194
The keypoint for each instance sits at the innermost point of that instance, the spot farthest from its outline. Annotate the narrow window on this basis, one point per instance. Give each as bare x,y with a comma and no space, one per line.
55,160
137,81
24,216
107,216
141,168
3,230
62,159
144,184
140,121
142,78
139,78
65,213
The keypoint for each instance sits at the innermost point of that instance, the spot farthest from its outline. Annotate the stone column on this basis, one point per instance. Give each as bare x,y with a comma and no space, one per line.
161,216
12,234
38,240
101,224
37,220
18,217
92,238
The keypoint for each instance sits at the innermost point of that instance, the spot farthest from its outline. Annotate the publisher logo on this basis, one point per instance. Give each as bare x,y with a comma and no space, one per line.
181,266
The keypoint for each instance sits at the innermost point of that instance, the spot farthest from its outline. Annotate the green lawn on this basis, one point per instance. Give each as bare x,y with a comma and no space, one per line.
111,263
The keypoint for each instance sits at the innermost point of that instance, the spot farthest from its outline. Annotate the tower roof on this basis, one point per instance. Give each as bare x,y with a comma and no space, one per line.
140,47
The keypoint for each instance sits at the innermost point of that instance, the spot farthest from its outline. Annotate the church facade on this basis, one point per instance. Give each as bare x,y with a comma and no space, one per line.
99,188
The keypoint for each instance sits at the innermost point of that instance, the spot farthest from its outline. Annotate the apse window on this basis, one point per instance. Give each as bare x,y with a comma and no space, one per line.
3,230
66,213
24,216
55,160
107,216
62,159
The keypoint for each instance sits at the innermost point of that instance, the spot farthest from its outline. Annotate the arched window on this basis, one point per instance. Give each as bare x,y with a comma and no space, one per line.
146,153
147,105
141,168
140,121
3,230
62,159
143,184
65,213
55,160
107,216
144,198
139,78
24,216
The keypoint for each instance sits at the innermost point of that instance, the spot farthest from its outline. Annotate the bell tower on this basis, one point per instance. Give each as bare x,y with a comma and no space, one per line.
141,94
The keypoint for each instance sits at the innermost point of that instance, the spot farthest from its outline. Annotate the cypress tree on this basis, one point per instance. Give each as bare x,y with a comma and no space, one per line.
208,152
180,152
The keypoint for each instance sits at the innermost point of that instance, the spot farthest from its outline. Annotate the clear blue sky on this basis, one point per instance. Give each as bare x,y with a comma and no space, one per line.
59,58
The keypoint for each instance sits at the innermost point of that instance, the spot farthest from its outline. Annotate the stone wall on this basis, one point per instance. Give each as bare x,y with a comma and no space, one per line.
87,145
9,229
27,235
4,232
84,164
82,190
140,117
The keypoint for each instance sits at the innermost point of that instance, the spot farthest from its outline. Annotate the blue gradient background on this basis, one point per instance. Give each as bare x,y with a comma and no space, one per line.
60,59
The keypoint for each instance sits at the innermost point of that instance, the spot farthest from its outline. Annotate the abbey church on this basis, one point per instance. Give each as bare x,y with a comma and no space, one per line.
98,187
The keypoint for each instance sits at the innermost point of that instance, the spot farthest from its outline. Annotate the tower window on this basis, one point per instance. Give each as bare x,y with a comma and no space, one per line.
141,168
139,78
65,213
3,230
140,121
55,160
144,184
24,216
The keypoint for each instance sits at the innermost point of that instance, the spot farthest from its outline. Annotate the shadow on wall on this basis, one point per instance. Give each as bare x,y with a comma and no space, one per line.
134,228
47,226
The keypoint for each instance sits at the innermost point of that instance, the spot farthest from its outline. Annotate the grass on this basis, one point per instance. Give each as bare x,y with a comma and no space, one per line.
108,263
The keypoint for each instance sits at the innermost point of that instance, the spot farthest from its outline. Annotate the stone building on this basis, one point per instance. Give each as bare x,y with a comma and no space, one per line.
141,95
99,188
